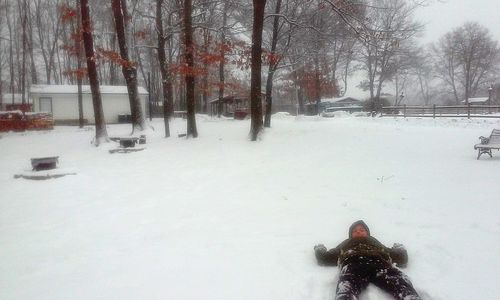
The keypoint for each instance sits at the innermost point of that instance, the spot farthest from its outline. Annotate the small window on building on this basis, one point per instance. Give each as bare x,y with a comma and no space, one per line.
46,104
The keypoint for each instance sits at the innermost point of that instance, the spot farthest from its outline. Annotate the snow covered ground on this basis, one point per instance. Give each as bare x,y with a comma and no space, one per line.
220,217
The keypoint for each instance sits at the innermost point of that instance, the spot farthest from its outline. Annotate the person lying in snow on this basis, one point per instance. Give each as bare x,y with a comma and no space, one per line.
362,260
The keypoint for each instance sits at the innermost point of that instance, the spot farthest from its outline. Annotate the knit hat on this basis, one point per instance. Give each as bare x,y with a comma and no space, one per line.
360,222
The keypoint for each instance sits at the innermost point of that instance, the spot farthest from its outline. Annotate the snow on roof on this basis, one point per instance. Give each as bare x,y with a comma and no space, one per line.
477,100
8,112
73,89
333,100
229,98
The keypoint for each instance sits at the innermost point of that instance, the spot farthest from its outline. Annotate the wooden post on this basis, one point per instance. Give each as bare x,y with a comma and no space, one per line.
404,110
434,111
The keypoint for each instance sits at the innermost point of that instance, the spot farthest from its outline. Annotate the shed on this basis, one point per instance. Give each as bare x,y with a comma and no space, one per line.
62,102
236,105
230,105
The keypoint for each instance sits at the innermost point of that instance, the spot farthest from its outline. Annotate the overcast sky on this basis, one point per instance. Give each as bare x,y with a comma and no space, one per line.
441,17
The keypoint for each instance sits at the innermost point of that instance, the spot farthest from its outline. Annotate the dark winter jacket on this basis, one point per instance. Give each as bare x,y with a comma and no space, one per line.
368,247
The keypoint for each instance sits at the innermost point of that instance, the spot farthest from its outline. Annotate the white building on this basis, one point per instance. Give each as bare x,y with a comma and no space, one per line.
62,102
349,104
477,101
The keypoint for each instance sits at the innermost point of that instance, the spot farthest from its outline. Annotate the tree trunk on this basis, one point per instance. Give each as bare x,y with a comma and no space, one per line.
113,78
467,81
317,82
19,63
170,78
396,83
189,77
24,18
78,48
1,82
11,53
128,69
299,91
206,41
163,67
371,81
272,67
220,104
269,97
34,76
100,124
256,67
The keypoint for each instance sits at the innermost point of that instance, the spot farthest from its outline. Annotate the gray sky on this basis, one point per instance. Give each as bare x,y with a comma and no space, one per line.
441,18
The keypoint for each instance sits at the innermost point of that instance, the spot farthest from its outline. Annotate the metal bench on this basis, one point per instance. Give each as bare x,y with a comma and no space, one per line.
493,142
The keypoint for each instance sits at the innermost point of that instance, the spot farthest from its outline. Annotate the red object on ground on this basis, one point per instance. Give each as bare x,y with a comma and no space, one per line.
240,114
19,121
22,107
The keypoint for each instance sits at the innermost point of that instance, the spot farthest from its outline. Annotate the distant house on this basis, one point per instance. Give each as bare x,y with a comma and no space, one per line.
229,105
15,103
62,102
237,106
349,104
477,101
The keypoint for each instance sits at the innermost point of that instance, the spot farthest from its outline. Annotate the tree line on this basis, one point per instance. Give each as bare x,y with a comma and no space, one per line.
192,51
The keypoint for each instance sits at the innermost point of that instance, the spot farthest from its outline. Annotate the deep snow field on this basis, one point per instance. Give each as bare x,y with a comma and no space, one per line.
223,218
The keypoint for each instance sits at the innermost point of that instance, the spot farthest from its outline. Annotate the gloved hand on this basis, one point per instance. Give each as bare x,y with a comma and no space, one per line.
320,248
399,255
398,246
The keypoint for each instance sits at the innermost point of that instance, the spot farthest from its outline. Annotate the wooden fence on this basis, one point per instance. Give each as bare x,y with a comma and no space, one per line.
435,111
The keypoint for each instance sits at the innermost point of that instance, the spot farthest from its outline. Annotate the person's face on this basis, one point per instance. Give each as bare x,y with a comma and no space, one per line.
359,231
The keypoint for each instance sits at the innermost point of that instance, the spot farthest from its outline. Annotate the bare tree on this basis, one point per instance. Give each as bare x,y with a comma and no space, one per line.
1,57
166,82
273,63
282,36
322,47
79,80
101,134
23,11
128,67
48,24
11,46
189,76
256,67
34,75
222,62
466,59
207,24
391,31
422,69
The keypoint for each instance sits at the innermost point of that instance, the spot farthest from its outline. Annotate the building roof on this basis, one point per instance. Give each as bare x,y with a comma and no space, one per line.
73,89
229,99
340,99
477,100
